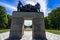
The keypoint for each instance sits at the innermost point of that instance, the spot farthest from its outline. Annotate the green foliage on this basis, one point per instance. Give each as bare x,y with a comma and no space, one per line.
27,26
4,30
46,23
30,26
54,19
54,31
3,18
9,21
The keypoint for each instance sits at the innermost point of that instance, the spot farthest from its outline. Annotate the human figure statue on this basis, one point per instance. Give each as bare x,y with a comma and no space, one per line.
19,6
37,7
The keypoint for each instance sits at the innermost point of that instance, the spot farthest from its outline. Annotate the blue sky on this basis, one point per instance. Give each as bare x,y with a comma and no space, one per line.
46,6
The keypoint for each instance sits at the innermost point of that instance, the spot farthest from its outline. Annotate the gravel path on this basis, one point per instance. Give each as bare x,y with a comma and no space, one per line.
28,36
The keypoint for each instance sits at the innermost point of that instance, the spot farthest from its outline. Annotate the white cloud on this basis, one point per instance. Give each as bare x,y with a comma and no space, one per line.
8,6
30,2
27,22
48,11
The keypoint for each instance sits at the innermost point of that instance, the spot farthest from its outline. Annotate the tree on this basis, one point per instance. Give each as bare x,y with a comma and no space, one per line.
9,21
30,26
3,18
25,26
46,23
54,18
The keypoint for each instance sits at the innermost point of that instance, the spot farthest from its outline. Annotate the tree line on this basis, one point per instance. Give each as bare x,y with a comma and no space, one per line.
52,21
5,19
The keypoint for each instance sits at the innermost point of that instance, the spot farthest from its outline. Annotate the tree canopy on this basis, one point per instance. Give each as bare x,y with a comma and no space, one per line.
3,17
54,19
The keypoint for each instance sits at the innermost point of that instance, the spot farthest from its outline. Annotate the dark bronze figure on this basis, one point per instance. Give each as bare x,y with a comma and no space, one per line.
28,7
19,6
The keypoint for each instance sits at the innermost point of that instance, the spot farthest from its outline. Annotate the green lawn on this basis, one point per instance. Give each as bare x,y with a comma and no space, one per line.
54,31
4,30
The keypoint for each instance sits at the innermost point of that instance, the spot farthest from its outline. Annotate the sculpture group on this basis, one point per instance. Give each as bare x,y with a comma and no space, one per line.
27,12
28,7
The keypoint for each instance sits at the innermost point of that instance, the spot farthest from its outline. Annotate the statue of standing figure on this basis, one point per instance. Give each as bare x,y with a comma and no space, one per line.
28,7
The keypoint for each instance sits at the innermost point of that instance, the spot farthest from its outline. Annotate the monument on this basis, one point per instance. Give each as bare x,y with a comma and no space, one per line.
28,12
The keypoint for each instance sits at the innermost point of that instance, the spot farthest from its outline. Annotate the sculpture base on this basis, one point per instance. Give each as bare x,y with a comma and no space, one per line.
15,38
39,39
17,25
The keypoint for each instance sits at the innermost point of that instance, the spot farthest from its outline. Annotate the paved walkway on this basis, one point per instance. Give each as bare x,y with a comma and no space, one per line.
28,36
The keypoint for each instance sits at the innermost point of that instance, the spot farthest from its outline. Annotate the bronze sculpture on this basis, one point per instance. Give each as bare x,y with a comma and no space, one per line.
28,7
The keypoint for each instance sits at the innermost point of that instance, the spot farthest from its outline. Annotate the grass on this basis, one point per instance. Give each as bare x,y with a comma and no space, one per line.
53,31
4,30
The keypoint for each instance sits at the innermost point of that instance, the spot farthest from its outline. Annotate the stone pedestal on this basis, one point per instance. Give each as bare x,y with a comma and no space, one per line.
38,28
16,31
